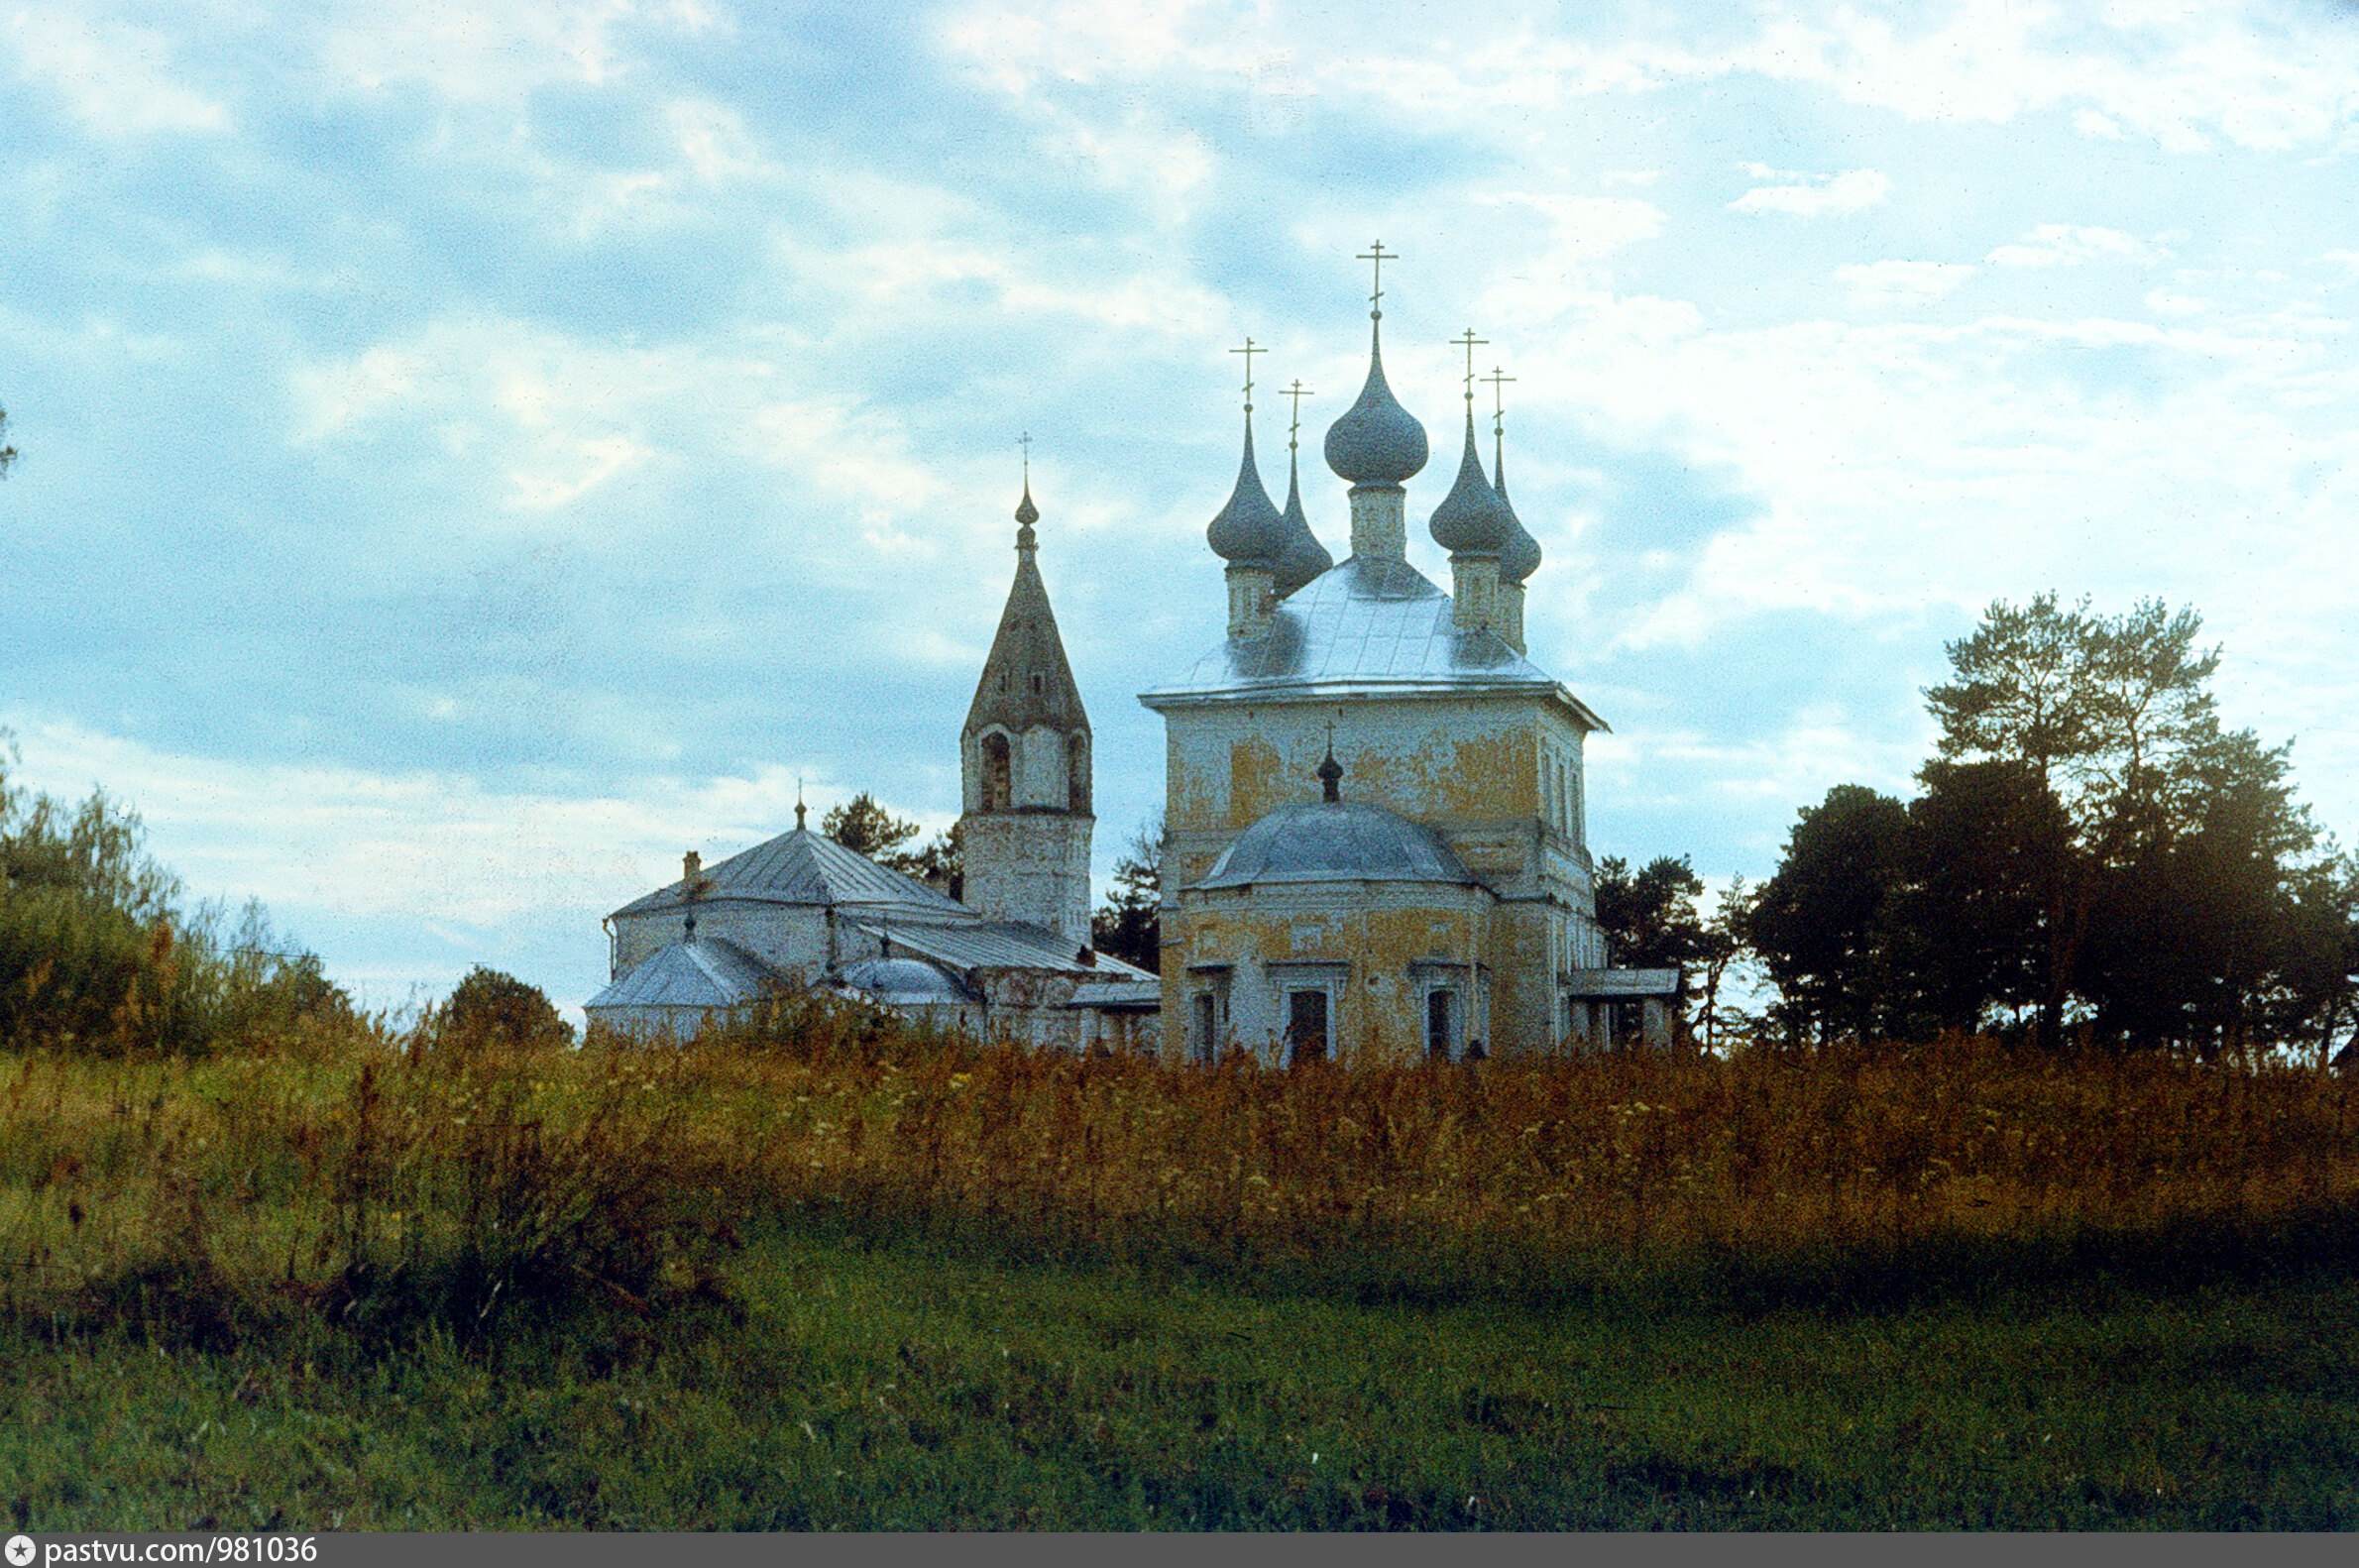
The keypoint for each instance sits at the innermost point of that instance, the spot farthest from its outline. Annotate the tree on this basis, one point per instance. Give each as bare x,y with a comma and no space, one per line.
941,864
489,1008
865,827
8,454
1821,925
1648,917
1971,921
1129,924
1719,948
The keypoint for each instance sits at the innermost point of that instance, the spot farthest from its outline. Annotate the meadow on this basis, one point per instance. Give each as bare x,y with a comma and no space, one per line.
822,1271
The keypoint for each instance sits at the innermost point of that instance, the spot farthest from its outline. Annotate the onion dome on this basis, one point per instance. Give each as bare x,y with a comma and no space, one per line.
1520,557
1471,520
1303,557
1377,441
1248,531
1026,516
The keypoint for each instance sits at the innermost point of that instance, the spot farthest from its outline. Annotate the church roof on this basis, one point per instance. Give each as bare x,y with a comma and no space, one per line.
700,972
903,980
1336,842
1377,441
1025,682
1000,944
805,867
1370,627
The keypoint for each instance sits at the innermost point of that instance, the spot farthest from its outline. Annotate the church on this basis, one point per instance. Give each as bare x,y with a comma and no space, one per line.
1374,845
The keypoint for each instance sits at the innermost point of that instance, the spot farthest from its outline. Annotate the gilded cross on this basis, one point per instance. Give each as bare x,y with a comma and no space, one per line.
1025,441
1249,351
1379,254
1298,392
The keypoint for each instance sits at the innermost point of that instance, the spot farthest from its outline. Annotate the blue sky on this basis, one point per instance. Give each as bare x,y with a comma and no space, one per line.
472,455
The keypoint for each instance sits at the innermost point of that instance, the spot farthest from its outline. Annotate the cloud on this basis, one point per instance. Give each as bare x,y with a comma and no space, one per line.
1854,190
117,81
2069,244
1880,283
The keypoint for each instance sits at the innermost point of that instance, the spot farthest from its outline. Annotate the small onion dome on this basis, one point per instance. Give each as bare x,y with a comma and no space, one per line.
1470,520
1303,557
1249,531
1026,516
1336,842
1377,441
1520,557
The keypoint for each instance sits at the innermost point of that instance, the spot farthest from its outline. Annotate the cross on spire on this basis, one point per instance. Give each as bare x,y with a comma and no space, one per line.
1376,295
1298,392
1249,351
1025,441
1497,381
1470,343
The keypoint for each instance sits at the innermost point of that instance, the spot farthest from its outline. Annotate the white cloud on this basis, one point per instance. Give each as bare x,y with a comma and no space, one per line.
1852,190
1878,284
2069,244
117,81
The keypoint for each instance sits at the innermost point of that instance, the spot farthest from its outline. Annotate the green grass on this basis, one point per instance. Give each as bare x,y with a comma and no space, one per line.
859,1387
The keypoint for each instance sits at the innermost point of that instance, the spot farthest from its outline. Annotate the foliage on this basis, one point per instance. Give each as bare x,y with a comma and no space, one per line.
1129,924
8,454
96,953
939,863
489,1008
823,1269
2091,849
863,826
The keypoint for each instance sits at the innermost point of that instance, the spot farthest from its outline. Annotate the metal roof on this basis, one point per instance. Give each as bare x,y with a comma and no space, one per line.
699,972
1000,944
1620,983
1121,996
1373,626
1336,842
1027,650
903,980
805,867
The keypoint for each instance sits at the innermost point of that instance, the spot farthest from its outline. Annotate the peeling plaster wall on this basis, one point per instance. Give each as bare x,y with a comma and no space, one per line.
1499,776
1378,948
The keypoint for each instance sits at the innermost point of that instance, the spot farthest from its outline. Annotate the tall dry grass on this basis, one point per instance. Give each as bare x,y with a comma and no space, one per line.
360,1176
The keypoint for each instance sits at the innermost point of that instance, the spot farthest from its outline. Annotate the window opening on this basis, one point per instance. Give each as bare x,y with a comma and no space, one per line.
1205,1036
998,775
1441,1024
1306,1027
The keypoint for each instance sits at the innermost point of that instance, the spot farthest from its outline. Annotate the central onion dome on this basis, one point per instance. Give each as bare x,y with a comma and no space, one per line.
1470,520
1248,530
1377,441
1520,557
1334,841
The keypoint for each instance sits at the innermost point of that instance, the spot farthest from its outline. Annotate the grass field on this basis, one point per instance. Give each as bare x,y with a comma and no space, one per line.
824,1274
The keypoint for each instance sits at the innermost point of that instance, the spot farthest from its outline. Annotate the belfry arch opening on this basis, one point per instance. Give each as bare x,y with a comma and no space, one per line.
998,773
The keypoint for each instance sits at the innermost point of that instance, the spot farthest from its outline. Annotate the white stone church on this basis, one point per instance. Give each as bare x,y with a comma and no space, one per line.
1373,818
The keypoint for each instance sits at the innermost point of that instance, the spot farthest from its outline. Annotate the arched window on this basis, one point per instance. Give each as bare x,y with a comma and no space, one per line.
998,774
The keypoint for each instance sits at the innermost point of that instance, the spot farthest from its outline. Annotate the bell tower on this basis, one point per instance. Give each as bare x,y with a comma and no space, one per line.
1024,755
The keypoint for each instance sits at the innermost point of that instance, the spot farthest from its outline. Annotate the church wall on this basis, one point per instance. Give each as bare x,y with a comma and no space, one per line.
1031,866
1041,775
1375,948
790,938
1499,777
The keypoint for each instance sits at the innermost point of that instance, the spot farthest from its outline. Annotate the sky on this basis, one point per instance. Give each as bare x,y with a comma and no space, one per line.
472,454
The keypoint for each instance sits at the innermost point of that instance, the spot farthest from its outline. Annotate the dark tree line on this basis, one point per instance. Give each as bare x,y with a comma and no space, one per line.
2089,855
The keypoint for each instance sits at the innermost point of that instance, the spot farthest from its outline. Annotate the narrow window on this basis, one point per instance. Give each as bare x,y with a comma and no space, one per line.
1441,1024
1036,686
1204,1039
1307,1027
997,774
